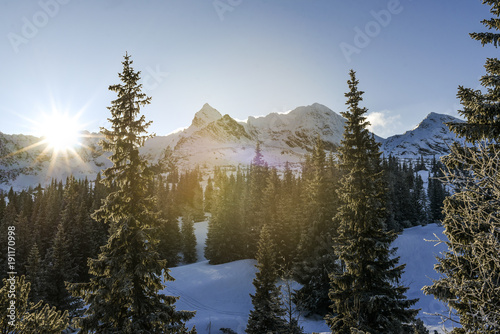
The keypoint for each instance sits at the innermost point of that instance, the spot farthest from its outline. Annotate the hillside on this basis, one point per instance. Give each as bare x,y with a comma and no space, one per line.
430,137
213,139
220,293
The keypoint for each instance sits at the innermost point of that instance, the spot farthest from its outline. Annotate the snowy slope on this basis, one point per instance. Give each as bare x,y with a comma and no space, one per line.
26,161
213,139
216,140
298,128
430,137
419,256
220,293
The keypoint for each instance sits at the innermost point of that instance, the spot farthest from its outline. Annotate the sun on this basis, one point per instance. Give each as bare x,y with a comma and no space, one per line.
61,132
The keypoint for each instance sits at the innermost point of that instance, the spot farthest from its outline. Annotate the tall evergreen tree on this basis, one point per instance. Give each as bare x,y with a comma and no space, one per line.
258,159
29,317
168,232
124,294
316,257
470,284
188,238
254,203
36,275
60,268
3,205
268,312
225,240
366,294
436,192
208,195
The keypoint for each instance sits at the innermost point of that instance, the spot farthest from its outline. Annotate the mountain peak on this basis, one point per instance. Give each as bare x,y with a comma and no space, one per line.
436,120
430,137
206,115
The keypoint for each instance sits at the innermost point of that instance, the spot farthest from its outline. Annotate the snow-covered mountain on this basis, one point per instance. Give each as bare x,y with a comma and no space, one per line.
213,139
430,137
27,160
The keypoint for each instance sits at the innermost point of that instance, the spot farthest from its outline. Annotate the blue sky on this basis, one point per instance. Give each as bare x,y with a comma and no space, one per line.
243,57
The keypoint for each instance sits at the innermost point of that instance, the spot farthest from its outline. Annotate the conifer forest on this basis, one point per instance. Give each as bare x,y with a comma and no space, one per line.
98,255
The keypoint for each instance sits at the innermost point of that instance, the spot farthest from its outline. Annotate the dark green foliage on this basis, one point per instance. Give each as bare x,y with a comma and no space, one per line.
43,318
481,110
123,296
254,205
316,258
288,228
406,201
470,284
471,268
3,205
268,312
30,317
225,240
34,224
209,195
436,192
189,194
60,267
242,203
419,328
420,164
168,232
35,274
188,239
366,293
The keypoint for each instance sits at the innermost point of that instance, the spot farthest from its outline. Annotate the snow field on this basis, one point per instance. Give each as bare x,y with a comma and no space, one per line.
220,294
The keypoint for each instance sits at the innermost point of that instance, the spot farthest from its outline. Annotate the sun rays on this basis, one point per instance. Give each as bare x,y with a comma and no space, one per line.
61,143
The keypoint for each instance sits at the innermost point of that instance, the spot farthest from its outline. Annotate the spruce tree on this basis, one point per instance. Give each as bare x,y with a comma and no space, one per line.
29,317
3,205
188,238
470,282
436,192
124,294
168,232
366,294
225,242
258,159
254,203
35,274
60,268
316,257
268,312
208,195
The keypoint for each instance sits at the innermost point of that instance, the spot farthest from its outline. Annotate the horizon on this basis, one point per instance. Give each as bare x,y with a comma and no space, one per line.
403,131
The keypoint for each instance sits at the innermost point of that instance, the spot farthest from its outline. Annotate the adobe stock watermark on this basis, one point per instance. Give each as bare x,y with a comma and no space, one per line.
223,6
11,281
364,36
153,78
31,26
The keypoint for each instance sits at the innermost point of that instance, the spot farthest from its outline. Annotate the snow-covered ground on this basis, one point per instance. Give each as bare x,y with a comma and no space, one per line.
420,258
221,294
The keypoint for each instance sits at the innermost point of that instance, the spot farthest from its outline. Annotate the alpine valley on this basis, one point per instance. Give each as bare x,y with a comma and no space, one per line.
214,139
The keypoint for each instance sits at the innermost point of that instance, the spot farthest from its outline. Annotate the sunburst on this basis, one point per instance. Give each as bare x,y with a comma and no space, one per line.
62,134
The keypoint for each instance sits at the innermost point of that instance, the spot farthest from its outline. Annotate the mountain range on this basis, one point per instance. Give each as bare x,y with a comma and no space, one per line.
214,139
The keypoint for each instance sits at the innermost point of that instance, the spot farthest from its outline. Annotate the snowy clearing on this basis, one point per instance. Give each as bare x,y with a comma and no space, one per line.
221,294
